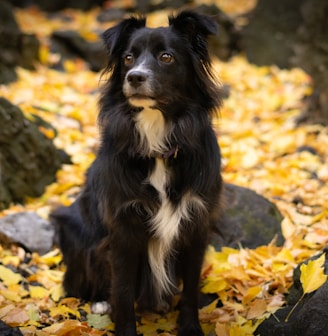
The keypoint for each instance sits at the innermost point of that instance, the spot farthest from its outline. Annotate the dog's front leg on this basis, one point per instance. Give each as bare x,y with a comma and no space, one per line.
191,263
124,265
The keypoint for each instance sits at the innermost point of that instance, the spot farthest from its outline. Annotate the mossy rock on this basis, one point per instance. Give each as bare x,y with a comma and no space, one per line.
248,219
28,159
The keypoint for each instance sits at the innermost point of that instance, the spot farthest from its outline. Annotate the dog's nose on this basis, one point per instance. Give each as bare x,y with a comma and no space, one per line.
136,78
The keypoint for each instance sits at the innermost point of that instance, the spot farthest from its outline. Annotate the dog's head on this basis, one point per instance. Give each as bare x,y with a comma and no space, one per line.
162,66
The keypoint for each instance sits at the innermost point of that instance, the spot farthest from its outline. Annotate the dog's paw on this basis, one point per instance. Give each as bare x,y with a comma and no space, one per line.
102,307
191,330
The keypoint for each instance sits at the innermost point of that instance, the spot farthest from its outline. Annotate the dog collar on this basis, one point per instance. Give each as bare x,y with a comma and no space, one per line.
173,152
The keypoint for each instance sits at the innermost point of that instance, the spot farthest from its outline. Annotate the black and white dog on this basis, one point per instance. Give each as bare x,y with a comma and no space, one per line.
141,223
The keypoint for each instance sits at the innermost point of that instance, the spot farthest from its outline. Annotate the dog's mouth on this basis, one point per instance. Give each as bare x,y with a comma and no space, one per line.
139,100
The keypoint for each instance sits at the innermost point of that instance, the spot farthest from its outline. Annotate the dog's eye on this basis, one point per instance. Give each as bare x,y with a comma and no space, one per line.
166,58
128,59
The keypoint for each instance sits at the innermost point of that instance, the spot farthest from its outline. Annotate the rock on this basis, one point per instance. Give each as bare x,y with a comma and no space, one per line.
111,14
16,47
227,42
248,219
6,330
310,317
292,33
70,45
311,54
271,32
28,159
27,229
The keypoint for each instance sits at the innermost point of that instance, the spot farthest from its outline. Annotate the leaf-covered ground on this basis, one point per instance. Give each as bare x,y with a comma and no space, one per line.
262,147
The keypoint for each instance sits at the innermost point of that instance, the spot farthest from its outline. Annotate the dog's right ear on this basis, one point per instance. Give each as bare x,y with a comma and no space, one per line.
115,38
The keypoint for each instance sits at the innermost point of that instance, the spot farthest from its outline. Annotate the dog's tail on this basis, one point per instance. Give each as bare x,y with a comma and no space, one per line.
68,225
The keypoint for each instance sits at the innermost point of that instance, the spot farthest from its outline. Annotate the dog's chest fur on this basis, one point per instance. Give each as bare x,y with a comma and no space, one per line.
165,223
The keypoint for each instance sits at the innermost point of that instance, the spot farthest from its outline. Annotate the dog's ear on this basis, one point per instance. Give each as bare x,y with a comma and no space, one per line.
195,28
115,38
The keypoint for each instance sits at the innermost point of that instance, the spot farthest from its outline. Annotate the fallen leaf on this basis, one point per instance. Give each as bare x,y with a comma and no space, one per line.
256,309
9,277
38,292
252,293
15,317
68,327
99,321
312,277
312,274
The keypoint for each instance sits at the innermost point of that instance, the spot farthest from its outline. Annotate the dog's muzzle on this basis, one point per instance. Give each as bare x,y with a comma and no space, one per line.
138,89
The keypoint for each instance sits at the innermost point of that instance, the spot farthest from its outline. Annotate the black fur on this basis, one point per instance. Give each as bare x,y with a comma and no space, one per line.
105,235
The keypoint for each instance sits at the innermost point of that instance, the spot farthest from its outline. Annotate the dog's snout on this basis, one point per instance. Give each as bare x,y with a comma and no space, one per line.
136,78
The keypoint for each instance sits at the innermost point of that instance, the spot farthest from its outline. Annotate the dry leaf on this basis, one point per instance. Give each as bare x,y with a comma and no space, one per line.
9,277
257,309
99,321
38,292
15,317
312,274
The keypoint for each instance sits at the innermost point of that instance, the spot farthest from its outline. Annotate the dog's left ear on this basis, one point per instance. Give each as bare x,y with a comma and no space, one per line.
195,27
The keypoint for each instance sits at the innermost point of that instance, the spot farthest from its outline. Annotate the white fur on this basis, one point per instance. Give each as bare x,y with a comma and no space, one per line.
166,225
151,126
101,307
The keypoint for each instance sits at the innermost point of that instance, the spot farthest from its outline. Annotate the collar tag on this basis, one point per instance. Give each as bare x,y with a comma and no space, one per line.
173,152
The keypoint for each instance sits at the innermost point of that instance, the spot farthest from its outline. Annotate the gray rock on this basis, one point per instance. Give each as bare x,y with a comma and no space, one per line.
271,33
292,33
28,229
71,45
309,316
248,219
28,159
16,47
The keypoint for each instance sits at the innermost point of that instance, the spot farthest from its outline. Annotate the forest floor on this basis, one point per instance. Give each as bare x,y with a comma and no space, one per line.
263,148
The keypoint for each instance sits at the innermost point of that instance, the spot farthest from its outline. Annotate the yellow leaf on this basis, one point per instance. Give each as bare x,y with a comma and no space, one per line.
312,274
221,329
209,308
51,258
283,261
57,292
11,260
251,294
62,310
9,277
90,36
288,227
10,295
214,285
38,292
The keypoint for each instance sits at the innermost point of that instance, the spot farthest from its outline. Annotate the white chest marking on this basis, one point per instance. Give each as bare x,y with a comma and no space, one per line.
165,226
151,126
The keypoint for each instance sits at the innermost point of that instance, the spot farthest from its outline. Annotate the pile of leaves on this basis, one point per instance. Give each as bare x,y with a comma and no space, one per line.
263,149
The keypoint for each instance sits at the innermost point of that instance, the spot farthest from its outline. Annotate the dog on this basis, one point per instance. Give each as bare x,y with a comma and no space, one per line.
138,232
